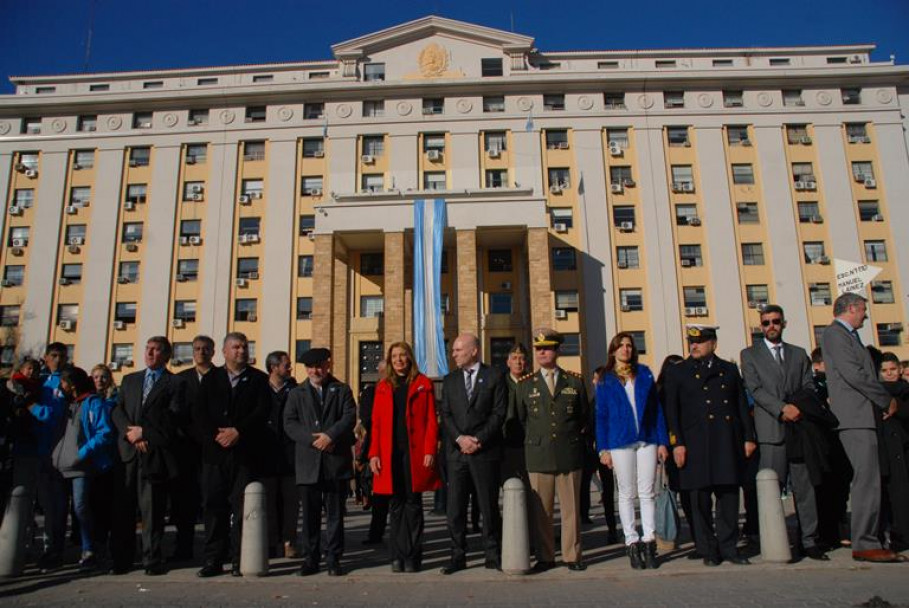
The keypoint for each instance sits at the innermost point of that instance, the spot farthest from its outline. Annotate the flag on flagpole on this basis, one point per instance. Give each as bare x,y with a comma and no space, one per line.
529,125
325,127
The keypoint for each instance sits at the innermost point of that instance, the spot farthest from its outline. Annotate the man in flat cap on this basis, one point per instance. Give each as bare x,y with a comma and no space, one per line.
551,404
712,434
320,416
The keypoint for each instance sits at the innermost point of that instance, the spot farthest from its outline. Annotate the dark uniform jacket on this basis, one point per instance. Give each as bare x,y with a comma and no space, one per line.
245,408
554,425
707,412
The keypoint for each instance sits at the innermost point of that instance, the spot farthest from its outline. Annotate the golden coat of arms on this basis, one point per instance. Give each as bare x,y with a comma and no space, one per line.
433,61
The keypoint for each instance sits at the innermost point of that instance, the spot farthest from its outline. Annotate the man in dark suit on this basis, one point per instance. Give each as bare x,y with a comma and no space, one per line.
378,503
148,405
230,414
774,372
860,402
185,495
320,416
473,408
712,434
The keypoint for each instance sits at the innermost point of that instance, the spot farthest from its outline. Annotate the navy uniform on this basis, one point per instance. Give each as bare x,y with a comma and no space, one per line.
554,422
707,414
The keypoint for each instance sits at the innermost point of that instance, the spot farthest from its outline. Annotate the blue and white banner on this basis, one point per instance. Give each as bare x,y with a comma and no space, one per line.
429,219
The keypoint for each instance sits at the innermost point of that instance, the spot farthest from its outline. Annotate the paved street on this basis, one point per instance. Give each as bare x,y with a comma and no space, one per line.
608,581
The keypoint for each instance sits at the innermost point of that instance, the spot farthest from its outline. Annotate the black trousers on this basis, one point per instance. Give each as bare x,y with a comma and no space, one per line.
462,470
283,503
331,493
607,495
133,491
223,486
186,498
378,516
717,540
405,513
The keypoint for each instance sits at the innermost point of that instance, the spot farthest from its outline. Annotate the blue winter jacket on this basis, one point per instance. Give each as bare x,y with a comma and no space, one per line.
48,413
615,426
100,440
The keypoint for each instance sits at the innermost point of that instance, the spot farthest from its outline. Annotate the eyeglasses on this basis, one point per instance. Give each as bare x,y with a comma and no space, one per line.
769,322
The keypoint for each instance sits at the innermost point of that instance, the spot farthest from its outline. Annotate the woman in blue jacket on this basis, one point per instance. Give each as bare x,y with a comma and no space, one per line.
631,436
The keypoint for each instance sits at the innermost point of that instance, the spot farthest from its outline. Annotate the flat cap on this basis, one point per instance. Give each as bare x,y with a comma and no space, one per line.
315,356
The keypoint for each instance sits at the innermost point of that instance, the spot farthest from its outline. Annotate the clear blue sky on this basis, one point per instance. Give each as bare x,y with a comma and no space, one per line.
49,36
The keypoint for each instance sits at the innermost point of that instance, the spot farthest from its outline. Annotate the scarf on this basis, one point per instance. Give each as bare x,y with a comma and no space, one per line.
625,371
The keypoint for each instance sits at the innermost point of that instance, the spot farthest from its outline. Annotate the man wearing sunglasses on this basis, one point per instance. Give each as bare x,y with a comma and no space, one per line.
774,372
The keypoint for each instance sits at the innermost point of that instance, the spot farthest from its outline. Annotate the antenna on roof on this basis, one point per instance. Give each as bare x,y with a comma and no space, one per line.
88,43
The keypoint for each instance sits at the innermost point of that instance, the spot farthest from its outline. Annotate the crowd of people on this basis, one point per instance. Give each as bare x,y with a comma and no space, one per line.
175,447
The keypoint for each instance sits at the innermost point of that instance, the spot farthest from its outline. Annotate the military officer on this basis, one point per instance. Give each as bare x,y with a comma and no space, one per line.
712,434
551,404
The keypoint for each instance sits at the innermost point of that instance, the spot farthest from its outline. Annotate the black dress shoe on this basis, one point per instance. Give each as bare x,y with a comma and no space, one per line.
335,570
308,569
612,538
210,569
739,560
492,564
577,566
156,569
411,566
712,561
543,566
397,566
817,553
235,569
120,570
453,567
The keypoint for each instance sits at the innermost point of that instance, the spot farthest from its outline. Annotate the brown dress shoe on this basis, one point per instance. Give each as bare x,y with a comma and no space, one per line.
878,556
289,550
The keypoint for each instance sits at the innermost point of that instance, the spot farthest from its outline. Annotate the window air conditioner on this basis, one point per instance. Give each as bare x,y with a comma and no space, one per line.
76,240
626,226
617,188
367,159
318,154
119,324
178,323
691,311
560,227
870,183
701,311
244,199
824,260
686,263
123,280
197,197
626,308
434,155
114,366
817,219
252,276
180,278
622,264
555,189
195,240
629,183
65,325
129,205
495,153
745,142
72,210
32,173
240,282
252,317
15,210
561,314
877,218
805,140
63,281
315,192
19,242
694,221
132,247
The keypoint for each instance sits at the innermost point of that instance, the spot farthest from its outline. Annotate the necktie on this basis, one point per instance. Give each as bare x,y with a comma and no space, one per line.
468,383
550,381
856,335
777,355
147,386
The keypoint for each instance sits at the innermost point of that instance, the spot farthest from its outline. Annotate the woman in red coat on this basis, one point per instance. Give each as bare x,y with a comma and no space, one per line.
402,453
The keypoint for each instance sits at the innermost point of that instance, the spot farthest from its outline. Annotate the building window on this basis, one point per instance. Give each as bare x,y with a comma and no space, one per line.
571,345
304,266
500,303
555,102
185,310
311,185
875,251
122,353
494,103
307,224
814,252
433,105
628,257
188,270
247,268
75,233
809,212
733,99
857,133
797,134
566,300
819,294
245,309
869,211
722,63
193,191
678,136
318,75
23,198
694,297
71,273
18,235
632,299
313,110
882,292
373,145
189,228
372,182
617,137
129,271
258,78
690,256
14,276
132,232
742,175
499,260
851,97
747,213
779,61
665,63
757,294
249,226
138,193
433,141
607,65
300,349
495,140
183,353
682,178
561,218
87,123
372,306
373,108
684,214
68,312
640,341
434,180
313,147
31,126
374,72
556,139
862,171
198,117
614,101
304,309
9,316
564,258
142,120
80,196
737,135
803,172
125,312
253,150
496,178
204,82
888,334
139,157
97,88
372,264
673,99
559,177
196,154
793,98
153,84
835,60
84,159
623,216
490,67
753,254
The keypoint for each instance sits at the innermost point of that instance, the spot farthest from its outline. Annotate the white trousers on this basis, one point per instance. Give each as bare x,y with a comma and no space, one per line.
635,469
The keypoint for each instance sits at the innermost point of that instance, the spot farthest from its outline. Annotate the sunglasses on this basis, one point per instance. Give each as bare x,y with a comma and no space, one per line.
770,322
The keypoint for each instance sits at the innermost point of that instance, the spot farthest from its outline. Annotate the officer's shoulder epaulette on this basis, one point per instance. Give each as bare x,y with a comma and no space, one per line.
525,377
575,374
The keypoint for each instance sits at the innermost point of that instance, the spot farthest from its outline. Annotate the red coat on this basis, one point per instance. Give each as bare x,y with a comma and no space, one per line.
422,429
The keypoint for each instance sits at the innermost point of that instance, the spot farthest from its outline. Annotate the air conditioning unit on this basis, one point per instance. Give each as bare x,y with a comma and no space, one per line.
72,210
197,197
318,154
800,185
123,280
240,282
617,188
805,140
691,311
701,311
180,278
73,249
870,183
15,210
561,313
63,281
506,285
865,139
76,166
252,238
132,247
694,221
6,283
119,325
244,199
19,242
114,366
184,240
753,304
252,317
824,260
190,160
555,189
622,264
626,226
16,251
32,173
129,205
195,240
197,189
895,327
434,155
494,153
315,192
877,218
626,308
133,163
817,219
629,183
252,276
66,325
615,149
21,168
560,227
686,262
367,159
178,323
677,186
811,186
745,142
192,122
255,194
687,187
76,240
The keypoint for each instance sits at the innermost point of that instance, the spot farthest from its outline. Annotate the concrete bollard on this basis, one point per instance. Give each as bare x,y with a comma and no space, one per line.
774,538
254,543
515,537
13,531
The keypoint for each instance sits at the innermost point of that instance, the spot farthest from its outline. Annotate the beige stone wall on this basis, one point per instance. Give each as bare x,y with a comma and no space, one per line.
466,255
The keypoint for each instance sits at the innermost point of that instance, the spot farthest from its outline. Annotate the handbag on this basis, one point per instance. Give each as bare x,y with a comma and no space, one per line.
667,511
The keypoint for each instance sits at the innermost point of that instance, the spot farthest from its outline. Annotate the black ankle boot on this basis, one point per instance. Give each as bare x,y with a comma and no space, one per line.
650,555
634,556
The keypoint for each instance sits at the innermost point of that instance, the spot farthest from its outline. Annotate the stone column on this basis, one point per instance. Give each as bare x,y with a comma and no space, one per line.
541,306
322,284
466,255
394,288
340,312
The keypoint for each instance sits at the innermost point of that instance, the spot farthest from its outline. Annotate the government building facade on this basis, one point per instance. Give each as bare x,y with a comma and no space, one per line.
589,191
